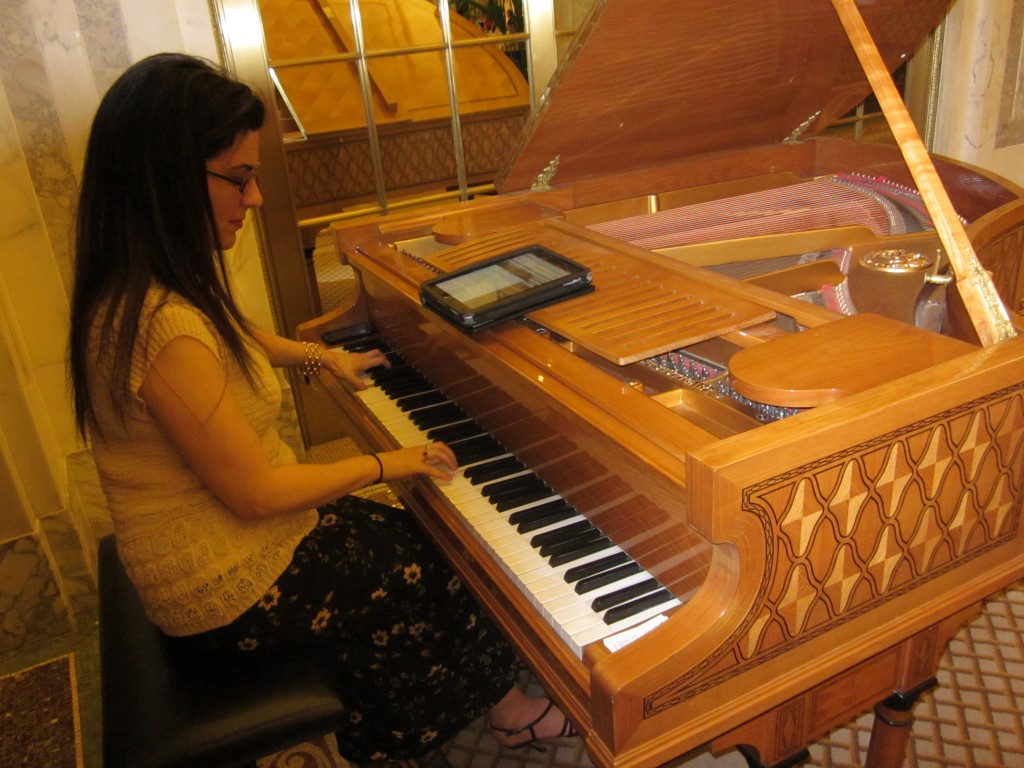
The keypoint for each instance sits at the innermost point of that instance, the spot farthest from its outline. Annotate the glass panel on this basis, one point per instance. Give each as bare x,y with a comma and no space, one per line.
488,78
391,25
569,14
316,77
322,98
332,158
414,122
494,103
492,16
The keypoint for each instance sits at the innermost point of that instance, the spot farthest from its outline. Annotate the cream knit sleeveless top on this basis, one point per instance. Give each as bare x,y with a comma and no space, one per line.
196,564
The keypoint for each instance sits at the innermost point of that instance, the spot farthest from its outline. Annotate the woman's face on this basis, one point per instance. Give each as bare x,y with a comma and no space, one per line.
231,180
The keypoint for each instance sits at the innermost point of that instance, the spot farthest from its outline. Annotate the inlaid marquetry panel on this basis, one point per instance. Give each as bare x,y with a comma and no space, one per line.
871,523
858,528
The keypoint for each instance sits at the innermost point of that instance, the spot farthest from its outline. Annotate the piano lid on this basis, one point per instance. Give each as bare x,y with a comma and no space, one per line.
649,81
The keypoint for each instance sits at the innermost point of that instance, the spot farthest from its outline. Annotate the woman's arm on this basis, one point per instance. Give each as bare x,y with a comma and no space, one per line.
346,366
186,392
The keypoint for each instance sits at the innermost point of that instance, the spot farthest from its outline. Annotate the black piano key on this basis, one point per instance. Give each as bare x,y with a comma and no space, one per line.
523,482
392,382
634,607
451,432
563,533
399,371
520,486
590,583
543,521
573,544
477,449
494,469
383,375
505,502
578,572
548,510
437,415
596,546
412,402
624,595
375,371
396,390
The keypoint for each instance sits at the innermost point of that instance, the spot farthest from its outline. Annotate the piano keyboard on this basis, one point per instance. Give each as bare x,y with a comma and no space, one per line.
584,586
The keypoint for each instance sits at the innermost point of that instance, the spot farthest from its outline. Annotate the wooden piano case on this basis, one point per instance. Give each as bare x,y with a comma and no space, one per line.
835,492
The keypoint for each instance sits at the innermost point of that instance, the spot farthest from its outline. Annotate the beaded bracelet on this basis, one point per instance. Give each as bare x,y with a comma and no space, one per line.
312,353
380,475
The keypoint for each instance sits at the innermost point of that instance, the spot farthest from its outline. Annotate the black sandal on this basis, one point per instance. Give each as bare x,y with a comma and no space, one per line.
567,730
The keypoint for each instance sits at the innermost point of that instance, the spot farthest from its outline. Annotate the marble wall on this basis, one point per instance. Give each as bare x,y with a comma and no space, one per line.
57,58
980,118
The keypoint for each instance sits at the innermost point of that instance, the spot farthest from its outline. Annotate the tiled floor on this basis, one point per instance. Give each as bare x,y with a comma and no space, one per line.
973,719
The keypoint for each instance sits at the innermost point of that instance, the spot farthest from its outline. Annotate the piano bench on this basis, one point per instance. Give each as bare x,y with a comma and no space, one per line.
163,708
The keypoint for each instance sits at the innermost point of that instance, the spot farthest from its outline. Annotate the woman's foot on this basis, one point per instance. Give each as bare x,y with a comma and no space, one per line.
518,721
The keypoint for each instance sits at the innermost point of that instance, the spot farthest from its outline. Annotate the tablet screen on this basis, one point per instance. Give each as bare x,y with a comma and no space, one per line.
495,282
505,286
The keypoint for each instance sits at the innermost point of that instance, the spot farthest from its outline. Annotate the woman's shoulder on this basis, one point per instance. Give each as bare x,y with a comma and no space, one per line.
166,314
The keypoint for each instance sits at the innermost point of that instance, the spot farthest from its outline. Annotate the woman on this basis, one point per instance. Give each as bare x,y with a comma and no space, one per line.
233,546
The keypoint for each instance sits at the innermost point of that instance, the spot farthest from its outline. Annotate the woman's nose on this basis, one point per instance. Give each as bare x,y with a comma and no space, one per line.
253,196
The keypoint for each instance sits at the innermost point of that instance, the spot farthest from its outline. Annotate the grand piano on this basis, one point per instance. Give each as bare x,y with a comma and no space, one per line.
751,485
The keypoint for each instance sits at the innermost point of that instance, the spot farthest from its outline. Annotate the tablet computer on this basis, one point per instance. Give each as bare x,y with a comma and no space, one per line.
503,287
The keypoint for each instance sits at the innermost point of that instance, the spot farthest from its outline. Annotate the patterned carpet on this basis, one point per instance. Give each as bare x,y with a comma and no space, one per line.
39,719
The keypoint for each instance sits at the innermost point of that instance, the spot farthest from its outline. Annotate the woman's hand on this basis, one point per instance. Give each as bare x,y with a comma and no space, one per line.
435,459
349,367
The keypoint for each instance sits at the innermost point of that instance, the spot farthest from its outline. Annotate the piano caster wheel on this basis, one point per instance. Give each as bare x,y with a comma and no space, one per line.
753,758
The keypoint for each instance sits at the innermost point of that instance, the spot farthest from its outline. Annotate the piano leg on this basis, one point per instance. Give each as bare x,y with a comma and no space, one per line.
776,736
753,758
891,729
889,734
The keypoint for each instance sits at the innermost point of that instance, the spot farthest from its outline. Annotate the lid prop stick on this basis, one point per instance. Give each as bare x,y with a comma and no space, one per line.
986,310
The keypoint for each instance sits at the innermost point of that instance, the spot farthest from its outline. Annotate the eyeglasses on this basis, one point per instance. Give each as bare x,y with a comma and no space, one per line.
242,182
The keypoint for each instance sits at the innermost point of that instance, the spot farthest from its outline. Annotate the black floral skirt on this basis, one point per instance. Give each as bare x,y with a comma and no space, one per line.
418,660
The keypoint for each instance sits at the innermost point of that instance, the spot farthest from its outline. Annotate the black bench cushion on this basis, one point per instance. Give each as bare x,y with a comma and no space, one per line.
166,709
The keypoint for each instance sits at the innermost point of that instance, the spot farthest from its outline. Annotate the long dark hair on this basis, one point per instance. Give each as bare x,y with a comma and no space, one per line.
144,212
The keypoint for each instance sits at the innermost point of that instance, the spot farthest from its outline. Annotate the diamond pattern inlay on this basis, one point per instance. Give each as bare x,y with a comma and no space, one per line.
926,539
849,498
975,447
843,579
894,480
869,522
797,600
935,462
885,559
1001,506
802,518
